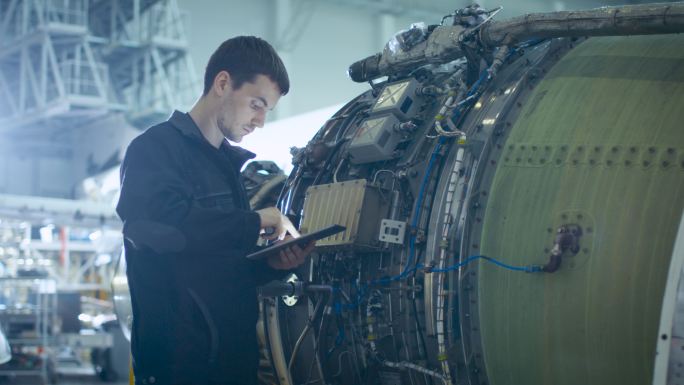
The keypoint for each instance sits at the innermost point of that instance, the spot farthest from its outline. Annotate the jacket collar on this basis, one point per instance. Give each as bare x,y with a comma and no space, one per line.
183,122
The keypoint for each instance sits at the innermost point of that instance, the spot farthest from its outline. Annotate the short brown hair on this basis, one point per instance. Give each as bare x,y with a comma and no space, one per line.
245,57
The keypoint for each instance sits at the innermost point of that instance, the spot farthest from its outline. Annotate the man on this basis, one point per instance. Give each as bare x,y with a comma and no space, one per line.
188,227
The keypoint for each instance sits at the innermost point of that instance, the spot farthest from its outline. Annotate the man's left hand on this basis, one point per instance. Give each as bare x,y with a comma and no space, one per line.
291,257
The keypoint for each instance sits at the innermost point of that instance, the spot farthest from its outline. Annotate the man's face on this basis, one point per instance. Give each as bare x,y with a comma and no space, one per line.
244,109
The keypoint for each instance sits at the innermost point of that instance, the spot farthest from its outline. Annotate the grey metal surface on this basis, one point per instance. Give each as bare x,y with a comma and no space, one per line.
449,42
643,19
375,141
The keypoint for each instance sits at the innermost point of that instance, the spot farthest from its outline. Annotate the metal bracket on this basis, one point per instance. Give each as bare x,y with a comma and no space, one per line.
392,231
567,242
291,300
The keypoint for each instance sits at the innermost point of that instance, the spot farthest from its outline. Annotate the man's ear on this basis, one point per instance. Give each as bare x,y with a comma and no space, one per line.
222,83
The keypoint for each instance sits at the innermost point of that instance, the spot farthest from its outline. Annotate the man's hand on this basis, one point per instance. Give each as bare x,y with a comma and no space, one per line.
272,218
291,257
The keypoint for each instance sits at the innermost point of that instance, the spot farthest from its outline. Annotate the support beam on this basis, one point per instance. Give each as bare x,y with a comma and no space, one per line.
52,57
137,26
38,97
11,9
64,211
177,19
44,71
99,83
22,81
25,12
39,9
169,93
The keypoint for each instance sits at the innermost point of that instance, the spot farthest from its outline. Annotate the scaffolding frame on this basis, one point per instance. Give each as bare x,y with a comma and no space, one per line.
65,60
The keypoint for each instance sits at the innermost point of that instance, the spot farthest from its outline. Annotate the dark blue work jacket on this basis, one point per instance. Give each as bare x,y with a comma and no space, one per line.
187,229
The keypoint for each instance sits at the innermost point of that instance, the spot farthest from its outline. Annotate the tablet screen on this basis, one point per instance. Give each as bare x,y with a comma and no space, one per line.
301,241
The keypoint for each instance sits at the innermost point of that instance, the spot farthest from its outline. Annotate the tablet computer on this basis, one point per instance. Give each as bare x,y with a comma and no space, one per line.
301,241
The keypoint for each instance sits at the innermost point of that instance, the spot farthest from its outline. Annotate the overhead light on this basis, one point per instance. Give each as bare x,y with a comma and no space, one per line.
95,235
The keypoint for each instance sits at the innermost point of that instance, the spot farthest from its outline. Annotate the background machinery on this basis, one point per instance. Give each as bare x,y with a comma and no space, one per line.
513,194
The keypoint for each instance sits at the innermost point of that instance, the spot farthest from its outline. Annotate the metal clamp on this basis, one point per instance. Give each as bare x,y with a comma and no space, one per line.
567,240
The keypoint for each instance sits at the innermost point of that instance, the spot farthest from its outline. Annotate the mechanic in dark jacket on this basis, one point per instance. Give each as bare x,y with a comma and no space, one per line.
188,227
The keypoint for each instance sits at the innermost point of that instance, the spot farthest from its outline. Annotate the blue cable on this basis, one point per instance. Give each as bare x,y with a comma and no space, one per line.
419,203
339,307
527,269
406,273
423,185
483,75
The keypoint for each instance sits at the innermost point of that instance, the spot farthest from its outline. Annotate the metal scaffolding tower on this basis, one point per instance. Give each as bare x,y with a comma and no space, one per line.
65,60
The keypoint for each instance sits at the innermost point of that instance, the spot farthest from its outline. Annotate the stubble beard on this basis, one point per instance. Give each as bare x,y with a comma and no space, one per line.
226,132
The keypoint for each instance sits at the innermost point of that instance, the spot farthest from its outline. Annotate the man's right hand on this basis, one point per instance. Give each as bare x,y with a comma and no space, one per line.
271,217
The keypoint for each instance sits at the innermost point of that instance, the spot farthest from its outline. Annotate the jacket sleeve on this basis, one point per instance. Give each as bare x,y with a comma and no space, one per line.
160,213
